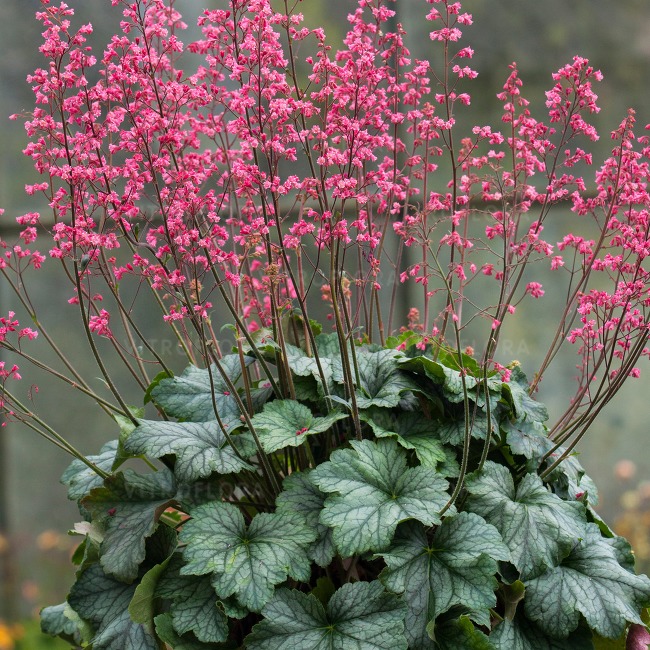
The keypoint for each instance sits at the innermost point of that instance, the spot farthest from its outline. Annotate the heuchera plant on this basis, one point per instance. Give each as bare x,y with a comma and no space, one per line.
355,485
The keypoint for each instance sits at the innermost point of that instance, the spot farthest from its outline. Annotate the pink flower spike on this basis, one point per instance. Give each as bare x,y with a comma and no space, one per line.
534,289
99,324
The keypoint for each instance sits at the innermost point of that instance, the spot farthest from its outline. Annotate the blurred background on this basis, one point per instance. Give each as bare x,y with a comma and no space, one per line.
541,36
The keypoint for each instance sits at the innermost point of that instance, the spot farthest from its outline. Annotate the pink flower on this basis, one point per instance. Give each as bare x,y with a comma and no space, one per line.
534,289
99,324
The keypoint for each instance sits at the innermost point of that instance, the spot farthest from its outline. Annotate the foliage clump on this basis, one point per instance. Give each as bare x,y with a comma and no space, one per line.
363,541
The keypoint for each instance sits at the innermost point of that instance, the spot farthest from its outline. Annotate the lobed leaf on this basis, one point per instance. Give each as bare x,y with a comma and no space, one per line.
591,582
523,406
460,634
301,496
201,448
287,423
452,430
372,490
456,567
538,527
190,395
382,383
195,606
362,616
81,479
246,561
412,431
62,621
129,506
167,634
523,634
104,601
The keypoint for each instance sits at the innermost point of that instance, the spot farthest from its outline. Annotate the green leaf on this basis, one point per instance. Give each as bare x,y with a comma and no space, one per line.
449,377
81,479
260,394
360,616
126,424
201,448
538,527
374,490
293,326
194,605
194,494
453,384
167,634
528,438
381,381
591,582
522,634
163,374
328,345
159,547
457,567
287,423
448,357
412,431
262,338
446,372
405,341
303,365
141,607
300,495
569,479
450,467
247,562
126,428
323,590
452,430
460,634
523,406
623,550
129,507
87,552
62,621
190,396
104,601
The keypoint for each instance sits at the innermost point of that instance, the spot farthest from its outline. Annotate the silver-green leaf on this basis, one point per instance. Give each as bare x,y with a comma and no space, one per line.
194,604
193,395
246,561
591,582
381,381
412,431
538,527
201,448
362,616
300,495
287,423
81,479
129,506
456,567
372,490
104,602
523,634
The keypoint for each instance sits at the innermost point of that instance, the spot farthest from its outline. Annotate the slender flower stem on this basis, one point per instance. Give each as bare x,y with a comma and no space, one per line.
52,435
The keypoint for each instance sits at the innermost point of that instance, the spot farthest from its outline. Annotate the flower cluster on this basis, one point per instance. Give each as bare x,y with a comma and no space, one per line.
235,171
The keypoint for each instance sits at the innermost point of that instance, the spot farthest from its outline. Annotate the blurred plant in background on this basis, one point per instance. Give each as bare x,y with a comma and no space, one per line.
633,520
